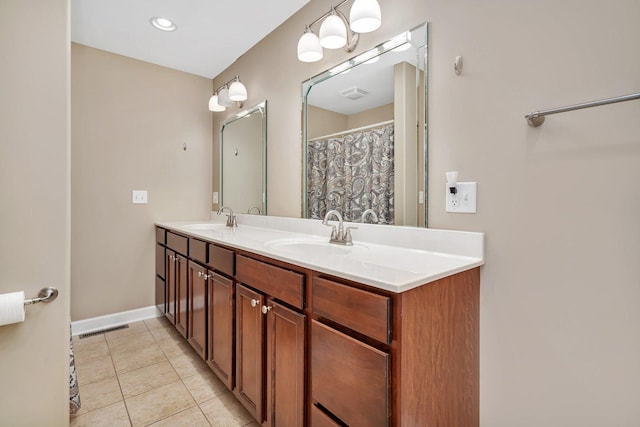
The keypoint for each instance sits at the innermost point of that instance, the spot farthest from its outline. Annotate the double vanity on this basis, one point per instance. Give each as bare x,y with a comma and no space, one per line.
383,332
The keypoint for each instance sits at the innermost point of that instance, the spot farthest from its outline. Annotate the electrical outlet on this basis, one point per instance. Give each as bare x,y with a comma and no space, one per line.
464,201
215,197
139,196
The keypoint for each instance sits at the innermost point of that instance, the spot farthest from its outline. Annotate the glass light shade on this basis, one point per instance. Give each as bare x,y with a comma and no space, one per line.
309,49
237,91
223,98
213,104
365,16
333,33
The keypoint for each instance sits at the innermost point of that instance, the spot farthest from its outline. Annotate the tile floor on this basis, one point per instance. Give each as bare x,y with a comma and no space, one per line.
148,375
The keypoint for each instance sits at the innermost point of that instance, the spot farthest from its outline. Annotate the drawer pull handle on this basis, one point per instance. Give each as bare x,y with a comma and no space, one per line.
266,309
254,302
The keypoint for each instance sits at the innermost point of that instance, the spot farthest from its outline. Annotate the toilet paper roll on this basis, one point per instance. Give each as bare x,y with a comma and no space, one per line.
11,308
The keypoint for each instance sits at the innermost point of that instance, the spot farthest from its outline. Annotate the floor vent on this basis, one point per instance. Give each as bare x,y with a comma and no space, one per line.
102,331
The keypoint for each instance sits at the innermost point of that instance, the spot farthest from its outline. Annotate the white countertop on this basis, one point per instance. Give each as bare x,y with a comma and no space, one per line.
387,257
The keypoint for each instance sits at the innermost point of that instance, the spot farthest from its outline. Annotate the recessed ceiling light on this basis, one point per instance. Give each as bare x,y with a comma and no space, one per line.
163,24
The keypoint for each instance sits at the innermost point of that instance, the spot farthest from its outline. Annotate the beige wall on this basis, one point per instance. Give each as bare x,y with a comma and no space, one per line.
34,213
370,117
130,120
560,323
325,122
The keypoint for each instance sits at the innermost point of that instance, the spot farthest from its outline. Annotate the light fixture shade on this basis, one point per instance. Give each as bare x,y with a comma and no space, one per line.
333,33
309,49
223,98
213,104
237,91
365,16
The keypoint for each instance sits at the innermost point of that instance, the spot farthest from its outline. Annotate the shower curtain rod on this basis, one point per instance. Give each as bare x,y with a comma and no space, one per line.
344,132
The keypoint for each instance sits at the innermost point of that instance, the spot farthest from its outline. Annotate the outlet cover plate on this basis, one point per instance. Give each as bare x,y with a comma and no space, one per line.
465,200
139,196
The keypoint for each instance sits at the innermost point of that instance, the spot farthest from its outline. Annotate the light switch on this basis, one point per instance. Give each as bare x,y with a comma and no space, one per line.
215,197
139,196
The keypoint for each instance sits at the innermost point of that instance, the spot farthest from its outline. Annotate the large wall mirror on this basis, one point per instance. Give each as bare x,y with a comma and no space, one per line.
365,135
243,166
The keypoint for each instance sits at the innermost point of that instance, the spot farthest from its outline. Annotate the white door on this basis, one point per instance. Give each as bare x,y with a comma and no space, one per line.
34,209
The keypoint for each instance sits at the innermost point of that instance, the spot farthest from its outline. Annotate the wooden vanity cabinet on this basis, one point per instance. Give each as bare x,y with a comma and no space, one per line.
298,347
270,343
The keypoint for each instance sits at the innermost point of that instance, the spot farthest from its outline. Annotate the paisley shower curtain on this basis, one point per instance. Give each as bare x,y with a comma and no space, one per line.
352,172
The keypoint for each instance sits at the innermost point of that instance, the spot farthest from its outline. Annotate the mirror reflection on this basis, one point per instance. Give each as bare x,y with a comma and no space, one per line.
364,135
243,154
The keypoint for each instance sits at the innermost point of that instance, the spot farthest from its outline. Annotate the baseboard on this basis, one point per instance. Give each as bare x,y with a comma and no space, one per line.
111,320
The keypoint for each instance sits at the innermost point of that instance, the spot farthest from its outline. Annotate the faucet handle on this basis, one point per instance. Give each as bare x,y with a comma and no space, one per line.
347,235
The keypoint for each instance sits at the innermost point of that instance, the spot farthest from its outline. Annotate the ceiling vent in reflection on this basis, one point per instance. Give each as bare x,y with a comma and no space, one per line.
354,93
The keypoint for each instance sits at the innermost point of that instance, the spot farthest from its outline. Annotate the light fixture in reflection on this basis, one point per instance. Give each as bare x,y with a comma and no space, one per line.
345,67
397,42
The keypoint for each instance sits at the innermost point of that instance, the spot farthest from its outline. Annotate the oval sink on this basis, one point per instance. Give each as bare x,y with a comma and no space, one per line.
313,247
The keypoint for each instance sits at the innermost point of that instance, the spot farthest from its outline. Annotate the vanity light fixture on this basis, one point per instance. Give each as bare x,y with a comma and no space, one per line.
230,94
336,31
163,24
237,91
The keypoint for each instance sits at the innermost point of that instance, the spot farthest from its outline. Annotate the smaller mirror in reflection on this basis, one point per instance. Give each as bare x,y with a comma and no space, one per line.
243,151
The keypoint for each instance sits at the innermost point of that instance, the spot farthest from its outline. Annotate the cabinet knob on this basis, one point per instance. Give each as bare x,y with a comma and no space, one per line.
254,302
199,273
266,309
206,276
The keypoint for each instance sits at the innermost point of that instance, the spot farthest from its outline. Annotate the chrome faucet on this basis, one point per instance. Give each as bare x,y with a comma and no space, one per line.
370,212
341,236
256,208
231,218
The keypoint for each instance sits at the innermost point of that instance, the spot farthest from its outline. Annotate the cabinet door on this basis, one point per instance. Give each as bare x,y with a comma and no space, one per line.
161,292
170,282
285,366
221,299
249,351
197,333
182,295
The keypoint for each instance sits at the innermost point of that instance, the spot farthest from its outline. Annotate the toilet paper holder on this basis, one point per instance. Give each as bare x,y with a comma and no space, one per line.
45,295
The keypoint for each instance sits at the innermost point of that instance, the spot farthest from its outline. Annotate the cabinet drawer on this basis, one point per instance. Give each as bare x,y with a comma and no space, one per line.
320,419
161,235
222,259
349,378
362,311
285,285
198,250
178,243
